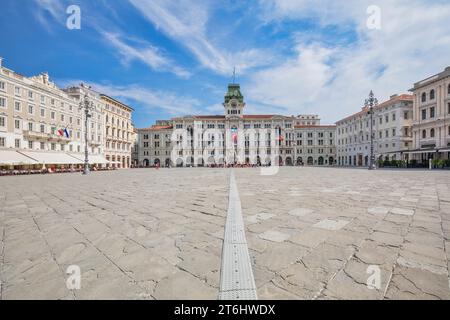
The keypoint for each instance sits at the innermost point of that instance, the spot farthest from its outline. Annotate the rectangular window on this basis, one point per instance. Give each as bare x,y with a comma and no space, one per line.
42,128
424,114
17,143
30,126
17,91
2,102
30,109
30,94
17,124
405,115
393,117
432,112
42,112
42,146
42,99
2,121
17,106
2,142
52,115
30,145
2,86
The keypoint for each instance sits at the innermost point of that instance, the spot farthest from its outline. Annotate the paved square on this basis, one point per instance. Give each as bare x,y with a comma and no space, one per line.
312,233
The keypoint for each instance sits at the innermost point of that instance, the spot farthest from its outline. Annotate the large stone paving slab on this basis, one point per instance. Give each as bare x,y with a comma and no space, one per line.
349,223
136,234
312,233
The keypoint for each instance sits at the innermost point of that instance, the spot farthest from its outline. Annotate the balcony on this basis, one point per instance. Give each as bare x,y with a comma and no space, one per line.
94,143
45,136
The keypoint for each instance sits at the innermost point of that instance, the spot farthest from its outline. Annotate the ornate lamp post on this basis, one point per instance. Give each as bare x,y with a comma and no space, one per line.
371,103
88,106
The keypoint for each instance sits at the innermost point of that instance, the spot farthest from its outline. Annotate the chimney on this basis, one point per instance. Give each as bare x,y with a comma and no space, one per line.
45,77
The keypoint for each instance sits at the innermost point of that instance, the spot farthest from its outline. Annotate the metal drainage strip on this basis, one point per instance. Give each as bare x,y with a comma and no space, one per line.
236,277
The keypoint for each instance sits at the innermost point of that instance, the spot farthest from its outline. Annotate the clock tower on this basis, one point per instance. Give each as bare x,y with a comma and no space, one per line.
234,101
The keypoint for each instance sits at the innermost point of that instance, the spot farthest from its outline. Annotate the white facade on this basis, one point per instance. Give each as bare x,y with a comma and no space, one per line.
236,139
432,118
33,110
96,124
392,132
45,122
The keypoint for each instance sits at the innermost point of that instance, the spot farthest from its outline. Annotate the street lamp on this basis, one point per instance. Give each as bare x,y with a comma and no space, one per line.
88,106
370,104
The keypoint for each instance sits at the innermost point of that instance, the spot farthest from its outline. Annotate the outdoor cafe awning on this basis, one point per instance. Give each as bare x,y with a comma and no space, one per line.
51,157
93,158
12,157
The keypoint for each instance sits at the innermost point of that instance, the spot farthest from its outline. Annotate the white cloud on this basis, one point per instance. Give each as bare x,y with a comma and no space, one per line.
50,8
169,102
186,21
297,80
333,81
150,101
146,53
128,48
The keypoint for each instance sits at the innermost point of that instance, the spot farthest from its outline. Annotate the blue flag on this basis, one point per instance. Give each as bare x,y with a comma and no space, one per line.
67,133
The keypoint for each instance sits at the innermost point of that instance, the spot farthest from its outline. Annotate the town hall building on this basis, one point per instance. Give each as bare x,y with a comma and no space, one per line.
237,138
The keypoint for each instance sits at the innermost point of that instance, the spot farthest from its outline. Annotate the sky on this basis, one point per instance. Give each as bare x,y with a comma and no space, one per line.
172,58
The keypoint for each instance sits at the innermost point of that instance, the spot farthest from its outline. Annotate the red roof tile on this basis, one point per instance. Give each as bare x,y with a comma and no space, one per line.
154,128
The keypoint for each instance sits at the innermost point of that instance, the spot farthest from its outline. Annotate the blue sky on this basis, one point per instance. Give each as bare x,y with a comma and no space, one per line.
170,58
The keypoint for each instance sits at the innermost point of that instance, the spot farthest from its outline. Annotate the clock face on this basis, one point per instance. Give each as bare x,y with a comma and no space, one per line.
234,104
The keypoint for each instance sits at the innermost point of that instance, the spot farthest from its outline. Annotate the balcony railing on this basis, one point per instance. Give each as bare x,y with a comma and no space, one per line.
45,136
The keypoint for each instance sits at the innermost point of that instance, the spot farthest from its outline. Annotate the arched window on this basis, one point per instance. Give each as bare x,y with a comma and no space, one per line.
432,133
432,94
424,134
424,97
